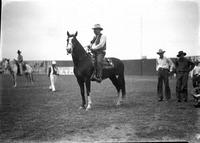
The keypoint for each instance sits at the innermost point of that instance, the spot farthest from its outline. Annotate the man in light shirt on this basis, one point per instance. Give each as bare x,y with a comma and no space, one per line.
195,74
164,66
98,48
52,74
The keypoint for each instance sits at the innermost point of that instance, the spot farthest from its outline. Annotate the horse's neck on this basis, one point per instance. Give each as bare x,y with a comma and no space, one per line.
79,54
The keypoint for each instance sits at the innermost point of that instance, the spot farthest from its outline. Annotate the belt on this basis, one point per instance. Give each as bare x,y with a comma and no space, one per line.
182,71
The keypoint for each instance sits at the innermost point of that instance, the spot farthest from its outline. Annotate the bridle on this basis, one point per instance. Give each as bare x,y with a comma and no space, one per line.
70,42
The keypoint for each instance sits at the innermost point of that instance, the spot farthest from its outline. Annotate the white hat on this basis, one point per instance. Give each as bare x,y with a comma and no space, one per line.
53,62
97,26
160,51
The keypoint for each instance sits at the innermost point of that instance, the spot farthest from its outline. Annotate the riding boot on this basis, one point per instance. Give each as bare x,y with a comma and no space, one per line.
98,76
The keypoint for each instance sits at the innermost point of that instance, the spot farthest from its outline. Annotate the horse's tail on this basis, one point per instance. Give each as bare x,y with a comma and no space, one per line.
122,81
119,65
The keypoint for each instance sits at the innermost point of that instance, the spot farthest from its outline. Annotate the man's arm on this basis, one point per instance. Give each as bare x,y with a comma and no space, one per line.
49,71
157,65
101,43
171,64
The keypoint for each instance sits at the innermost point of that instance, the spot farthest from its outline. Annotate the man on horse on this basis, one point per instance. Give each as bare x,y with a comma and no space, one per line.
98,48
20,62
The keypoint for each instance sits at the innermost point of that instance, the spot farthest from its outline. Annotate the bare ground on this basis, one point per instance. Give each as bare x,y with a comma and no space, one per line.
31,113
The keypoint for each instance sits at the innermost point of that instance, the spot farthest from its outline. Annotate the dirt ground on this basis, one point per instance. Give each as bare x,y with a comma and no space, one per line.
32,113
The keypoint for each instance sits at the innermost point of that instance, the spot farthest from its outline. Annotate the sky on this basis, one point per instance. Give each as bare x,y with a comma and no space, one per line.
134,28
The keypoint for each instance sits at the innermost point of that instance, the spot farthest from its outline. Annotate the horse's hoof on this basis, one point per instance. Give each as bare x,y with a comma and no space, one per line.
88,108
118,104
82,108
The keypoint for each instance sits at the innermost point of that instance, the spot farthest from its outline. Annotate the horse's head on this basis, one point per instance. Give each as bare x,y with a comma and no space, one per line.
5,63
70,42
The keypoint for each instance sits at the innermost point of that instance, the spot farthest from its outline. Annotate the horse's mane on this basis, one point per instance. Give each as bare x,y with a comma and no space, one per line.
78,44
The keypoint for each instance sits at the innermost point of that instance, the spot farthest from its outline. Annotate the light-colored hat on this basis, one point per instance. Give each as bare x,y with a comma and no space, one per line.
97,26
53,62
160,51
181,53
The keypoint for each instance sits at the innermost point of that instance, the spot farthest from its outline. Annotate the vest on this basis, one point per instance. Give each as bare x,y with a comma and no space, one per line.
96,41
52,70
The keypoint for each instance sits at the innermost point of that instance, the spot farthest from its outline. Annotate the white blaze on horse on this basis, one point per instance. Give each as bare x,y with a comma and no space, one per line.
12,67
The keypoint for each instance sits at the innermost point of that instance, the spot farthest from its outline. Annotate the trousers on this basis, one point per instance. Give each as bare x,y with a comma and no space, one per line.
163,78
99,63
182,86
52,82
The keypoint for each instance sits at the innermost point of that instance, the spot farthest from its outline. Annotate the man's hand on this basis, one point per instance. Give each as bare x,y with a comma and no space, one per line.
89,47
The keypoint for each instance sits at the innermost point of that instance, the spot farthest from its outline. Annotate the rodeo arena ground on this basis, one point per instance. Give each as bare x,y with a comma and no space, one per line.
32,113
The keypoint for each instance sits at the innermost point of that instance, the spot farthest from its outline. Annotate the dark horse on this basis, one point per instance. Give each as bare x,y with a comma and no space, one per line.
84,68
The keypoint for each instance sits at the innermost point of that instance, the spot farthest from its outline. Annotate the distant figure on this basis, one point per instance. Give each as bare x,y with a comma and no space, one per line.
20,62
183,67
52,74
164,66
98,48
195,74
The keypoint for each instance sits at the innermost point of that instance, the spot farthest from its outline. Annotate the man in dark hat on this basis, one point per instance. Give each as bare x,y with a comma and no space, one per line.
164,66
183,67
20,62
98,48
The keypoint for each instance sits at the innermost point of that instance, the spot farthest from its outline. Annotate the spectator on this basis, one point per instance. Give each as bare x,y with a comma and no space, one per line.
164,66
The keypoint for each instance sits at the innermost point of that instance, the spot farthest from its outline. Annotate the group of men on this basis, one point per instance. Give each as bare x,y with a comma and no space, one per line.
181,67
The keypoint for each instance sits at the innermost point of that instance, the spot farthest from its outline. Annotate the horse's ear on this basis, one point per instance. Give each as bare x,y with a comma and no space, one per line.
76,34
68,34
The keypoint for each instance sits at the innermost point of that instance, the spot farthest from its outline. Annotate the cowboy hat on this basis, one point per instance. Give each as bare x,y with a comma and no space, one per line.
18,51
181,53
160,51
97,26
53,62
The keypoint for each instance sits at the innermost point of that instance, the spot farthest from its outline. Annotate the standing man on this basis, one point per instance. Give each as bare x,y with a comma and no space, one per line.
183,67
98,48
52,73
164,66
20,62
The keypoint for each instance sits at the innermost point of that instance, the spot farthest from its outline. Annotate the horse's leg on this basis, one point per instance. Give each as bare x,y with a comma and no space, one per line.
81,85
14,75
122,84
88,86
31,77
26,77
117,86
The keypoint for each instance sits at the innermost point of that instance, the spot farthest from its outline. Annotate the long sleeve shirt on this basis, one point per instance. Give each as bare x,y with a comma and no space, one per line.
165,63
195,71
99,43
53,70
20,58
184,65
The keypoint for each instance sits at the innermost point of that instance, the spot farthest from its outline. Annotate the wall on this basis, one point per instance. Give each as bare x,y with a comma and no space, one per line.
132,67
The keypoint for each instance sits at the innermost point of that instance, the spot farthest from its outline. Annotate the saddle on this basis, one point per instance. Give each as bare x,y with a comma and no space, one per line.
107,63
